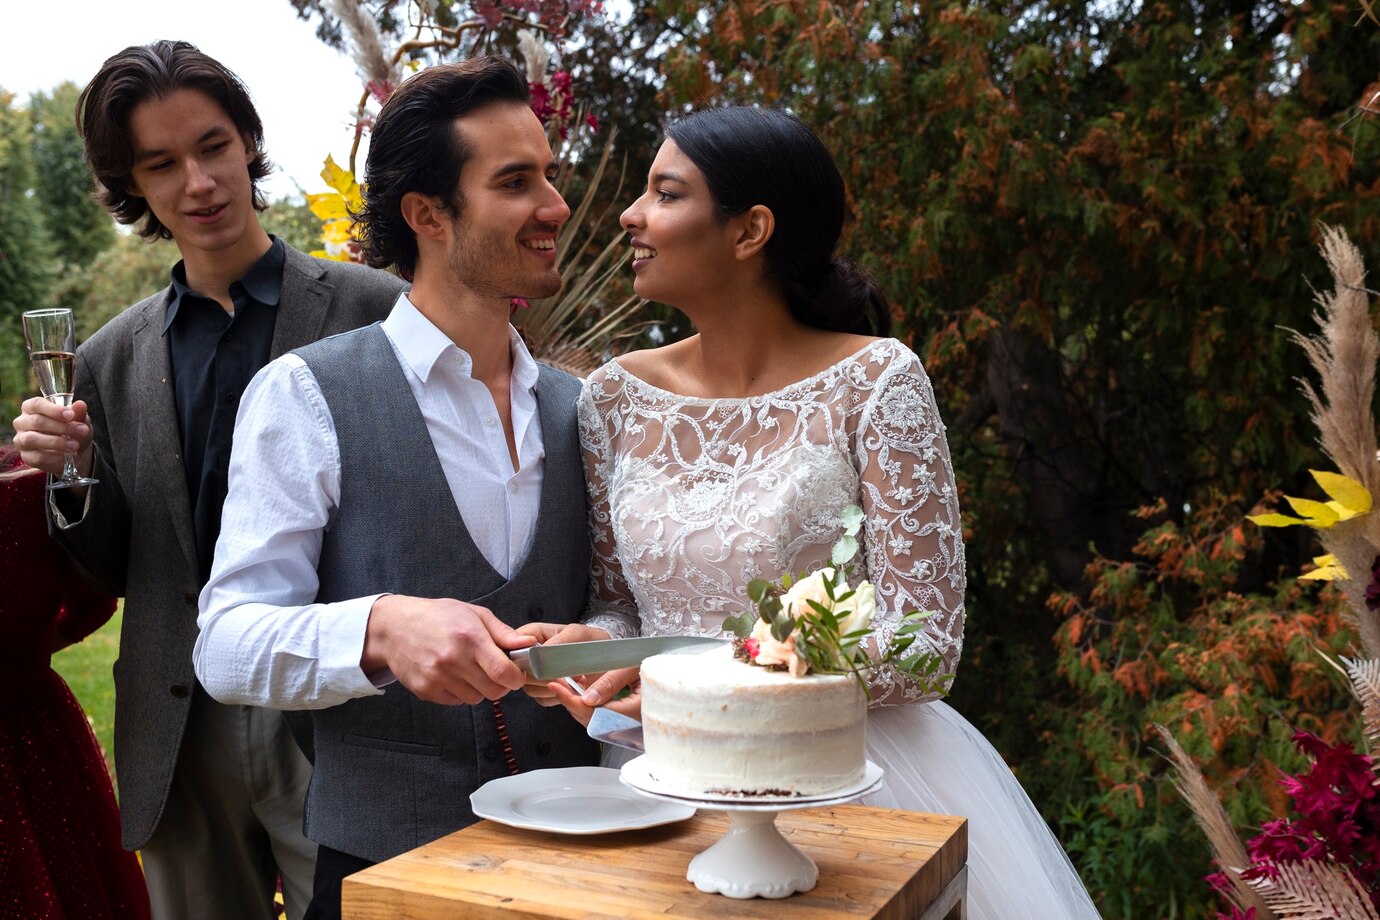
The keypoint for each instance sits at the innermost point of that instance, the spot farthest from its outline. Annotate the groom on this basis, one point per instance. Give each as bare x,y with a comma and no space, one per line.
403,496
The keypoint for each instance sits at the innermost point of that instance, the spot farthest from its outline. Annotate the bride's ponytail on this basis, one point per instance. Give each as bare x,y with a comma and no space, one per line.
752,156
841,298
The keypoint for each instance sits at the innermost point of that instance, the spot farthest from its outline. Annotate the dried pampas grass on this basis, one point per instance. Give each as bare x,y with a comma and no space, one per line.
1345,353
1227,848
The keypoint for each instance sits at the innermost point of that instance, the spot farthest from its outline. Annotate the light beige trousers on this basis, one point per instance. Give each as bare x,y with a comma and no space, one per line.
233,820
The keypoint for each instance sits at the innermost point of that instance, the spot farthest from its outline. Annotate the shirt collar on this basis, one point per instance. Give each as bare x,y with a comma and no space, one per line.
422,345
263,282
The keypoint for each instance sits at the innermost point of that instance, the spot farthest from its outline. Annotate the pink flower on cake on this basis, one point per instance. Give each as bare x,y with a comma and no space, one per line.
771,653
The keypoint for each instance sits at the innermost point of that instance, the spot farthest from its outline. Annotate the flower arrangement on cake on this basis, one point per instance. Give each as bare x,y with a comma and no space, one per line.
817,623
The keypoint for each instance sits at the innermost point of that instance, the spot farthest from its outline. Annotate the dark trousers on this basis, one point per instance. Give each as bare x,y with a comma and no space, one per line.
331,868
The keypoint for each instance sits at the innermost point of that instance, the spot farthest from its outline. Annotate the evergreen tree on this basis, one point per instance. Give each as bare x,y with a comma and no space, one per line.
26,261
79,228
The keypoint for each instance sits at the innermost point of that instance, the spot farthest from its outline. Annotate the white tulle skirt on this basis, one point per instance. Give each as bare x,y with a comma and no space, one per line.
936,761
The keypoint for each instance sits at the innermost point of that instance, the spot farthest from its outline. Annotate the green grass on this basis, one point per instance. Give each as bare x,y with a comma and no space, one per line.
86,667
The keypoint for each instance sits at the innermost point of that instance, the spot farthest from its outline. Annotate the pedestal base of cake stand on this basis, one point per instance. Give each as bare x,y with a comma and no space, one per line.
752,860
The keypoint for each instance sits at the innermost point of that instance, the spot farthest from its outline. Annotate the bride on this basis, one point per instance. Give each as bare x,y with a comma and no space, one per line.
731,455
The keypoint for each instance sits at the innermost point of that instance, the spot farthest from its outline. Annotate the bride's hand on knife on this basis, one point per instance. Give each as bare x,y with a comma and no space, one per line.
555,634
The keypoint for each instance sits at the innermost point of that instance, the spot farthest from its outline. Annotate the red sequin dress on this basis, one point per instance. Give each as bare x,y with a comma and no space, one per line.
60,856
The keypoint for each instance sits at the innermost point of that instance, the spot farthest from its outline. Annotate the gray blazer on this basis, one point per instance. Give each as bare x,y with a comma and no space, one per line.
136,538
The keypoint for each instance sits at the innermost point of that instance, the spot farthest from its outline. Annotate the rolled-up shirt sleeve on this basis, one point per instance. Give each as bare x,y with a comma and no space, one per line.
264,640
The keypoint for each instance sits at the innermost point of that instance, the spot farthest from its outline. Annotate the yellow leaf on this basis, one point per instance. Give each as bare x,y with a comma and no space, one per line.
1345,492
336,231
1328,569
1274,520
327,205
1317,514
342,180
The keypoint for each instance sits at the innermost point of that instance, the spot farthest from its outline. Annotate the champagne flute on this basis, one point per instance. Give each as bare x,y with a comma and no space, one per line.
52,340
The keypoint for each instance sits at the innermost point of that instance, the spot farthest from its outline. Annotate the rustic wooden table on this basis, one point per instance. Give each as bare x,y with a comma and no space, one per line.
873,863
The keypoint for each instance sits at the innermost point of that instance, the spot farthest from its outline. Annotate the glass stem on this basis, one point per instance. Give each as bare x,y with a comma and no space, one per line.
69,467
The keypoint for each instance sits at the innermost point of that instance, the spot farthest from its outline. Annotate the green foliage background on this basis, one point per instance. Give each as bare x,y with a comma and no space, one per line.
1093,219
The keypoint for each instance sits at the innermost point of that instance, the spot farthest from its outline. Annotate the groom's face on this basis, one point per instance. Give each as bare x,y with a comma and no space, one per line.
504,240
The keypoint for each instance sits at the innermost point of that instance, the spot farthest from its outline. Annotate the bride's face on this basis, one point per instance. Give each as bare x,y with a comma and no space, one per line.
681,244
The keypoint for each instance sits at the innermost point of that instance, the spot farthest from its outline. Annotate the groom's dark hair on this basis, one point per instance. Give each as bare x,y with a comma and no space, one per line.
155,71
416,146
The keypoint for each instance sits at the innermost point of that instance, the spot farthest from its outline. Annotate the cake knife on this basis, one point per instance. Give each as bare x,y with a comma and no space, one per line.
616,729
550,662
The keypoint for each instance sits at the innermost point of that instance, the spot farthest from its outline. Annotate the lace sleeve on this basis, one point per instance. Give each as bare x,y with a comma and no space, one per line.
912,536
611,605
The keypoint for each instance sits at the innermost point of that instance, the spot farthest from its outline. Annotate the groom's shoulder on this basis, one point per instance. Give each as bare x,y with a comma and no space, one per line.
563,386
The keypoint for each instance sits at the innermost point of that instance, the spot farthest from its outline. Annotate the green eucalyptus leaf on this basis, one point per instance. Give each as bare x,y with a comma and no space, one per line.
851,519
844,550
741,625
770,608
781,628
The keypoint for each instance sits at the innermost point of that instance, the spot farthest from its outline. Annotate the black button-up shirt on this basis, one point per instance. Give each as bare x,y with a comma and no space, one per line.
214,355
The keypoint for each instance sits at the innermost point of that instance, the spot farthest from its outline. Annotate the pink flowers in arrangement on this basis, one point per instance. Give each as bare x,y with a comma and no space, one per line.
1338,805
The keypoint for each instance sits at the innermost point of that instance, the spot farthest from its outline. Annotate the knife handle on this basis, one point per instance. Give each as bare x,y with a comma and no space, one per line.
520,658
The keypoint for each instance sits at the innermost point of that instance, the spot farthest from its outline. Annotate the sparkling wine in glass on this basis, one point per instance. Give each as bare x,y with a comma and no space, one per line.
52,339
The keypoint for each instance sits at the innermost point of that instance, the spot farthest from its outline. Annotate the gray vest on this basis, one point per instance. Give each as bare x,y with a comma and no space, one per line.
393,772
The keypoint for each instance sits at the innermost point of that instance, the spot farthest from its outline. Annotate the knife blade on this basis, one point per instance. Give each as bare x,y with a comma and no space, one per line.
616,729
550,662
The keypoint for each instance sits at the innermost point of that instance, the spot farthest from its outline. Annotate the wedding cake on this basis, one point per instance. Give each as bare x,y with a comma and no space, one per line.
715,725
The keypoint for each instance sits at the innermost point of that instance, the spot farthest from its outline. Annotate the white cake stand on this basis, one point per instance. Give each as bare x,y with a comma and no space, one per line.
752,860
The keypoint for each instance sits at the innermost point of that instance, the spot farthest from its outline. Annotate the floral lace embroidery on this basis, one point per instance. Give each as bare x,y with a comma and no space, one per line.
692,498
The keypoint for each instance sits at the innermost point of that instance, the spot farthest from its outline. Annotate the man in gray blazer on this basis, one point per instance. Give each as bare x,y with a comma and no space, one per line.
211,793
407,500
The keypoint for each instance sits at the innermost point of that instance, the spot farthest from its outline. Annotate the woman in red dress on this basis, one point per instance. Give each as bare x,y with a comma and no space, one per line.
60,856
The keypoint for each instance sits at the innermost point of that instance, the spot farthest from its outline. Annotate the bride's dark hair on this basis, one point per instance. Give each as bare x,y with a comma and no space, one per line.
752,156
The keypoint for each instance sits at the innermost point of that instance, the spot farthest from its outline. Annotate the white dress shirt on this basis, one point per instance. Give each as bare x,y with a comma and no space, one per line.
263,641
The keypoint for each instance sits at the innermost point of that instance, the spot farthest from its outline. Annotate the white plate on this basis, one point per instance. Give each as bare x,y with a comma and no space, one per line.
572,800
634,774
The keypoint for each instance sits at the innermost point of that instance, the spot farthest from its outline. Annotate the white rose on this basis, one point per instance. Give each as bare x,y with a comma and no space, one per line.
796,601
856,613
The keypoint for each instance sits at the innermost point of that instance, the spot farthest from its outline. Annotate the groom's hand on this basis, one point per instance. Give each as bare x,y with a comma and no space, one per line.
444,651
555,634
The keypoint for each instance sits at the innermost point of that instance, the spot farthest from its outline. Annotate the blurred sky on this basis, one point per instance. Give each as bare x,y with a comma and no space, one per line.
304,91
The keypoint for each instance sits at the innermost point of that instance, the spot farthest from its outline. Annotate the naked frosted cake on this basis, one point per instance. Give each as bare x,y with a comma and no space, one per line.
715,725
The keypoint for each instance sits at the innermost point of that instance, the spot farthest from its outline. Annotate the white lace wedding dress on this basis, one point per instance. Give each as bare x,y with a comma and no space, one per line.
691,498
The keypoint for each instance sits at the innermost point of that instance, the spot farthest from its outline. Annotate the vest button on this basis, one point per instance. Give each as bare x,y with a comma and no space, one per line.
544,748
179,690
535,614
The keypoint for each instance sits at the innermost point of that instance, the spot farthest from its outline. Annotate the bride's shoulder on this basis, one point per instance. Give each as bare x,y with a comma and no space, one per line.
877,357
654,366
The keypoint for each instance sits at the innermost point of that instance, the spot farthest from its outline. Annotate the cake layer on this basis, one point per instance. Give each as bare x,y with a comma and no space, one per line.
715,725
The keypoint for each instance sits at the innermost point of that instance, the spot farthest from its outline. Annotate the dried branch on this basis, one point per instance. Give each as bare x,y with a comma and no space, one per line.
1310,890
1227,848
1365,683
